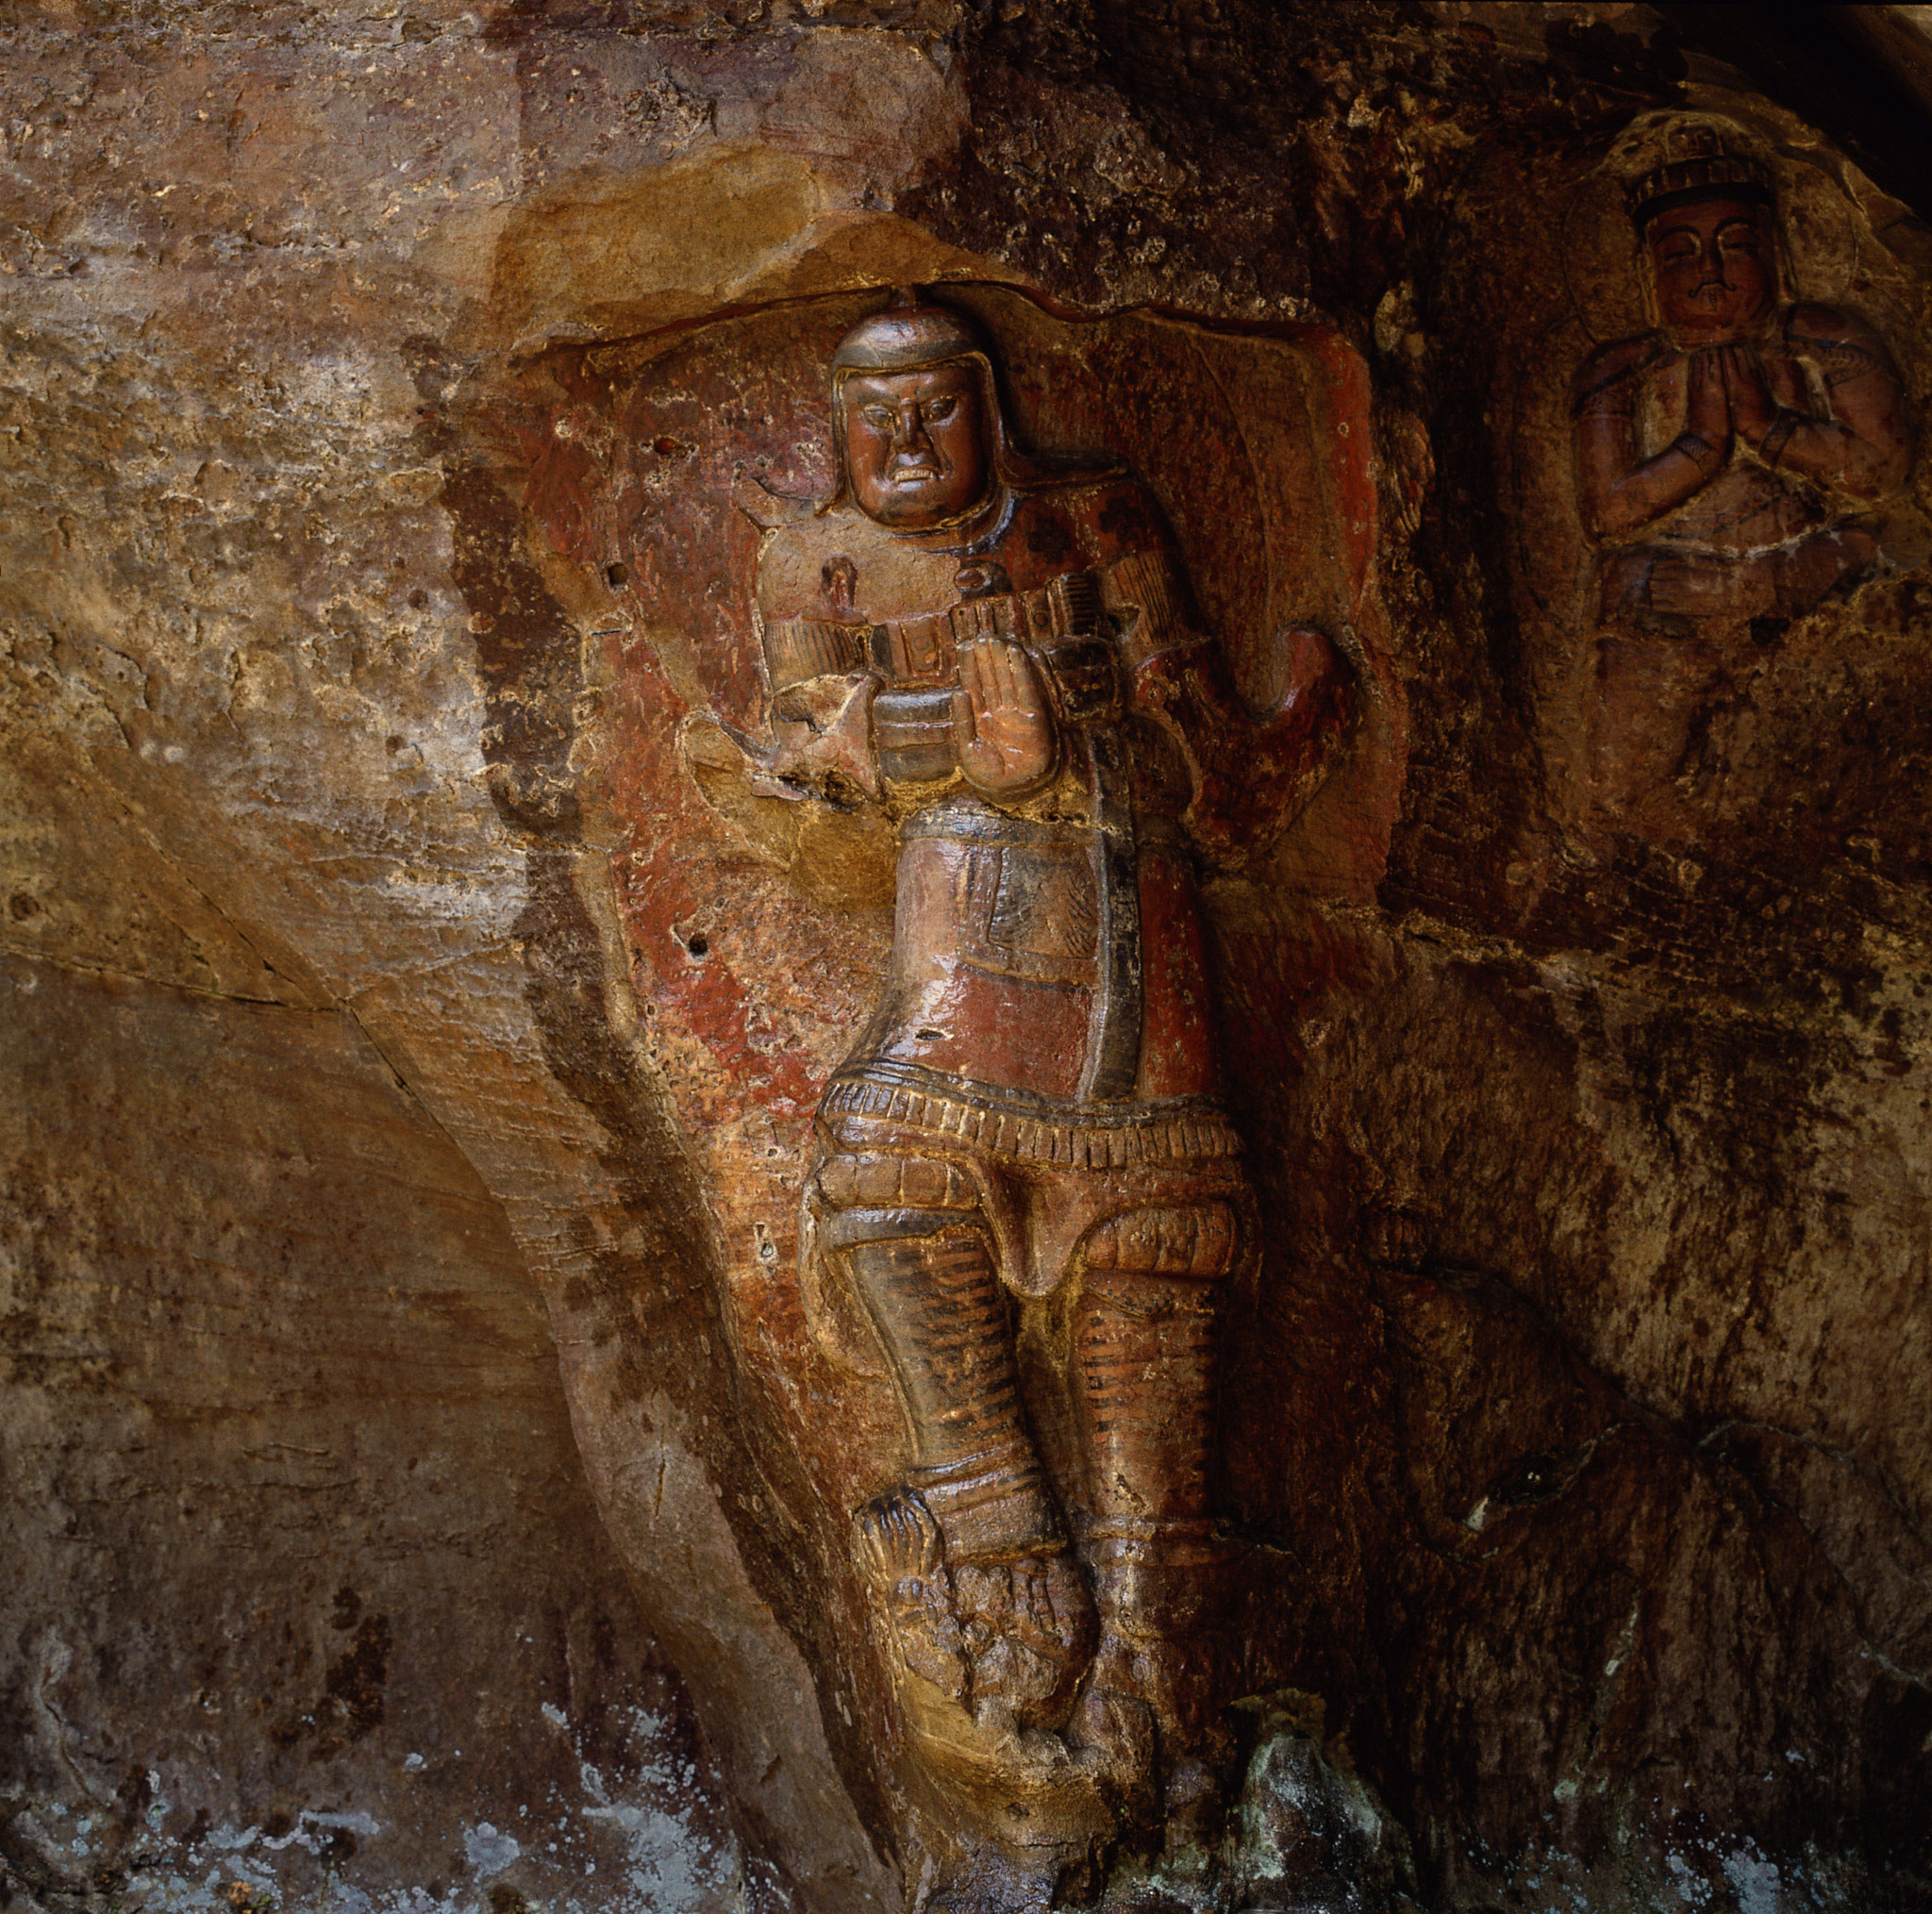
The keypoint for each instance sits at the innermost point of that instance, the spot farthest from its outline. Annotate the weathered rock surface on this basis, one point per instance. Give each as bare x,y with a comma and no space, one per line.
304,1589
401,1016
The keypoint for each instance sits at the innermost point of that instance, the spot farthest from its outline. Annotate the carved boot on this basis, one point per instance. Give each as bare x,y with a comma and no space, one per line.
1000,1642
1144,1361
972,1522
1146,1717
987,1656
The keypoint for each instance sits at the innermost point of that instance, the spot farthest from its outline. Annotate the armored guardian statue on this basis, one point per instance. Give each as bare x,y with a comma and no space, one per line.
1027,1185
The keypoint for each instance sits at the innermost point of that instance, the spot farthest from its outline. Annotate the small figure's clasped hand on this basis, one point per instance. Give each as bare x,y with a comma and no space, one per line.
1706,402
1753,409
1003,732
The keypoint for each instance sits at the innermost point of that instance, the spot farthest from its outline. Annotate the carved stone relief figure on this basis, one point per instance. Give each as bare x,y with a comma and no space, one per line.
1729,459
1710,400
1026,1199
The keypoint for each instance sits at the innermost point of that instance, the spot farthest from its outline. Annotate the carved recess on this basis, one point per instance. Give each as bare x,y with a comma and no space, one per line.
1712,443
1732,459
966,642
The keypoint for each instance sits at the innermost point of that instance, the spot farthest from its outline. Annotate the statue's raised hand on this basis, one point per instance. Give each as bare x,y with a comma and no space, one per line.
1003,733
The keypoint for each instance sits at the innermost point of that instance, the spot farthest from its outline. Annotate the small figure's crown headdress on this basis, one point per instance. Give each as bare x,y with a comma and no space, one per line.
1681,161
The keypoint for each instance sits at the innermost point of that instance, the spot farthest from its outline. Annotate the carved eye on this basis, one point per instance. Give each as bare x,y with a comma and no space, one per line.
878,417
1677,251
942,409
1739,239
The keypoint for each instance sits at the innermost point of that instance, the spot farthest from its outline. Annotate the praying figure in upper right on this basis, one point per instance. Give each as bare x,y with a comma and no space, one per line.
1730,459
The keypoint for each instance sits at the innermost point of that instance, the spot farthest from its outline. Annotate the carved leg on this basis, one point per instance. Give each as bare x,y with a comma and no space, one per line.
1144,1357
990,1611
968,1550
1017,1604
943,1322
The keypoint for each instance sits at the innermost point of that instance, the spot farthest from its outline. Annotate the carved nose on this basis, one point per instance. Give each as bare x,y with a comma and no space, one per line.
910,436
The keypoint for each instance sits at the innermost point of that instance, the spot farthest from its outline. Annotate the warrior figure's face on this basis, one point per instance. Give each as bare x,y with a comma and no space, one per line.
1716,268
915,444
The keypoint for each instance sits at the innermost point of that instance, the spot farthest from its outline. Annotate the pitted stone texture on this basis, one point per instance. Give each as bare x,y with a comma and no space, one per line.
303,1592
1579,1436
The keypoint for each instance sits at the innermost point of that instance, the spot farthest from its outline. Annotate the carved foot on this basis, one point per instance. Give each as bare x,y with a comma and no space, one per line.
1004,1640
1115,1735
903,1555
1133,1736
1145,1724
988,1657
1027,1626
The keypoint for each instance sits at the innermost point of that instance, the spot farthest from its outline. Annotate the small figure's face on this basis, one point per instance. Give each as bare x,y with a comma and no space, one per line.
1715,267
915,445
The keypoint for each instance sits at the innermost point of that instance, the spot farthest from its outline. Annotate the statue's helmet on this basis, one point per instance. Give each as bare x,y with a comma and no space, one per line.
913,334
909,335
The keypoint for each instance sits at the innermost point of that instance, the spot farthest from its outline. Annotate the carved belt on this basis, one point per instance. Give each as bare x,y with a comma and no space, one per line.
1140,589
923,649
1098,1141
912,717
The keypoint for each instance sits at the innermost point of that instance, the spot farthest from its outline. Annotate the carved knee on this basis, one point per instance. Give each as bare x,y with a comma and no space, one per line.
857,1196
1181,1239
871,1196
